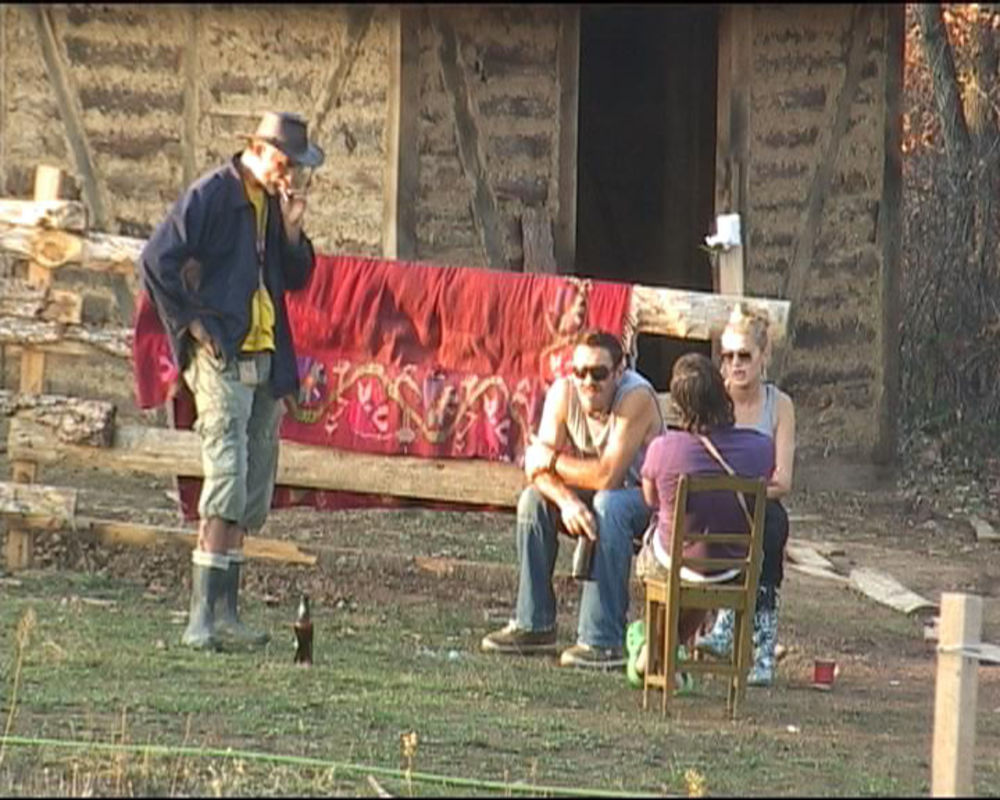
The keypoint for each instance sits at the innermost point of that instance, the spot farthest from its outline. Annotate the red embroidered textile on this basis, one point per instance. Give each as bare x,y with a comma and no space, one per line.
408,358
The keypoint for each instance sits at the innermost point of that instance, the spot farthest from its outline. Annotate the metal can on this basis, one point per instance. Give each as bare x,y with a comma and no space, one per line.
583,557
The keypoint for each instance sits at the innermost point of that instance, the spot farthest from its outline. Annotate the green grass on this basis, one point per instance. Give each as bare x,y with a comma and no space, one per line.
396,661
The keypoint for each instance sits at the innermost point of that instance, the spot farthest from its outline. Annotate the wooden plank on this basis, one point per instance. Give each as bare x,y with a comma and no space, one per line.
569,109
22,299
399,224
69,110
162,451
484,203
66,215
76,339
955,697
885,589
699,315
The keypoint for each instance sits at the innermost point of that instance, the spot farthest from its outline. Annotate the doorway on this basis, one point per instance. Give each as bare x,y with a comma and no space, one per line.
646,155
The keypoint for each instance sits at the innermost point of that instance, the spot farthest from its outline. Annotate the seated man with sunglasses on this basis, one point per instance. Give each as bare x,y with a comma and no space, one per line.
584,472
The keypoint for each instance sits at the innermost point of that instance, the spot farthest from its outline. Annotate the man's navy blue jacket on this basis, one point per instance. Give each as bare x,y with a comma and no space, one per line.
201,263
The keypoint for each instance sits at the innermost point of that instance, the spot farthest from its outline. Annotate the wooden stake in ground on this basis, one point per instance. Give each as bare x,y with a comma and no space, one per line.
19,549
955,696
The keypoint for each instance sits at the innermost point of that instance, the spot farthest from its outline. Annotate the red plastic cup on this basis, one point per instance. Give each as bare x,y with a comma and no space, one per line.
824,673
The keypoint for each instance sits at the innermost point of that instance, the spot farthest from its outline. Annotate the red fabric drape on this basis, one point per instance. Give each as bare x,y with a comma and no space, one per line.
408,358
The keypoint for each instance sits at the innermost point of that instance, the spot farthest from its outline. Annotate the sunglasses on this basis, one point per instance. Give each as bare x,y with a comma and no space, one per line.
597,374
736,356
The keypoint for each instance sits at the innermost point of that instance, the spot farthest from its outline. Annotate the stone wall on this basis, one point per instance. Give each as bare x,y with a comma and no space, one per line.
812,141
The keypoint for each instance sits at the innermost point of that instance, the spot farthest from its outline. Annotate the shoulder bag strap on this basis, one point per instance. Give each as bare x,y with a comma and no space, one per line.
714,453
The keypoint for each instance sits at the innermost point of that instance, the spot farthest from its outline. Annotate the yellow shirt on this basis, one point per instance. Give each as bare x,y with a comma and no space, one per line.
261,333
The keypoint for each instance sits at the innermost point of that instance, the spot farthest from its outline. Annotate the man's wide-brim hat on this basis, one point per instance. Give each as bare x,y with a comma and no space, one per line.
287,132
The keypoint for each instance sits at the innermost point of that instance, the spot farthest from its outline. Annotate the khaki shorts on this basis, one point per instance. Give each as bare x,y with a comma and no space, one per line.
238,422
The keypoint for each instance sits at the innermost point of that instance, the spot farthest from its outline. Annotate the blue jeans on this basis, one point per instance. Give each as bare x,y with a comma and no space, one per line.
621,515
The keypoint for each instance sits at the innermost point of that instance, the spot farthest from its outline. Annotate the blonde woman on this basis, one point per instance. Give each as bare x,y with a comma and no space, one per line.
760,405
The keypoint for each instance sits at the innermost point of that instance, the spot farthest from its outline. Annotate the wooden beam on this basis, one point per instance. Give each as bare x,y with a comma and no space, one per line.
74,419
359,19
569,105
19,547
69,110
485,213
890,236
19,298
955,696
536,241
43,336
699,315
162,451
399,225
67,215
797,278
732,153
191,70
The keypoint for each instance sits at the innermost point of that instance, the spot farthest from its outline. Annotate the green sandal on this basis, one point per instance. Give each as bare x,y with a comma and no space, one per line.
635,640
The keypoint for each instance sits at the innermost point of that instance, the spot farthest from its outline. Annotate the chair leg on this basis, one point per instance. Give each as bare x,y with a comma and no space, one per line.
650,638
745,656
670,651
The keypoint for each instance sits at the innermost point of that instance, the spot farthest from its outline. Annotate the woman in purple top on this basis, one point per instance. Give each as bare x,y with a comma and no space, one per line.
706,412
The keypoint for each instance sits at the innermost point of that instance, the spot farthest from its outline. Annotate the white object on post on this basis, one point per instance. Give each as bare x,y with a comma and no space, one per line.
727,232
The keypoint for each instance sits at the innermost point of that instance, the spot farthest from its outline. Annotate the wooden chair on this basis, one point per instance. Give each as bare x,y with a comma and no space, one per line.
666,598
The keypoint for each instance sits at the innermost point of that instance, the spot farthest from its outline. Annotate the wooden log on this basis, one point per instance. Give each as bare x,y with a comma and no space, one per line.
162,451
699,315
74,420
64,215
955,696
52,249
19,298
26,499
81,339
120,532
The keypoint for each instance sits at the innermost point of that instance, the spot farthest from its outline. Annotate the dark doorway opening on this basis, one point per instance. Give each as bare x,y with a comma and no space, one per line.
646,154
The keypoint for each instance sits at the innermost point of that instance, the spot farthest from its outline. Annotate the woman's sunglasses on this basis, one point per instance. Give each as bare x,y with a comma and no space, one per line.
736,356
597,374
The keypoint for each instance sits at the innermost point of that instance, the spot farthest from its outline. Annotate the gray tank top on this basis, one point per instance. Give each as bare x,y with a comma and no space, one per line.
768,420
590,435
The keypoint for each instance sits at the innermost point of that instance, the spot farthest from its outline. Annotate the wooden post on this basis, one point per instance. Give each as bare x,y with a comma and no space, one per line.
955,696
19,548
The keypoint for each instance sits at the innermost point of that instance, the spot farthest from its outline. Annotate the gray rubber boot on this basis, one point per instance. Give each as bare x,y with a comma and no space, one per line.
227,619
718,642
208,574
765,634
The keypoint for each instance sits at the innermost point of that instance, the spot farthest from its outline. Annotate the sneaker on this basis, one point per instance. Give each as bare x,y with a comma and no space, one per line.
512,639
587,657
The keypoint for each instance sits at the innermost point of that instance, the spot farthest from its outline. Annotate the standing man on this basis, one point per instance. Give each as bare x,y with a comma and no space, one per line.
584,472
217,269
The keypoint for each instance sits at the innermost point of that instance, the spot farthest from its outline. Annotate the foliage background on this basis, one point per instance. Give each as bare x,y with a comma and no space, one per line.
950,320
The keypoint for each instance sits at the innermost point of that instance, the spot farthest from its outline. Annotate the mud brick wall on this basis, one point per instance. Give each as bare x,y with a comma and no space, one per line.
507,58
800,63
136,71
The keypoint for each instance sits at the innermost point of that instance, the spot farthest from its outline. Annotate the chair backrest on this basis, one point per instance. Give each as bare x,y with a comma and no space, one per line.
749,539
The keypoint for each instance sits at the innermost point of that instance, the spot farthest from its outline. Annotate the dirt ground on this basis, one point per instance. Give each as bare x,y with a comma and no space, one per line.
871,735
